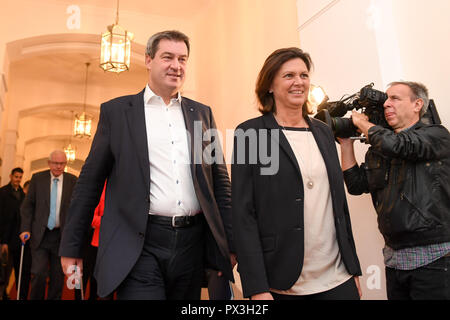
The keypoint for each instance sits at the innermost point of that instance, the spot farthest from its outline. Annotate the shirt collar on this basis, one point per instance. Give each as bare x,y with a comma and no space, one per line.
410,127
53,177
149,94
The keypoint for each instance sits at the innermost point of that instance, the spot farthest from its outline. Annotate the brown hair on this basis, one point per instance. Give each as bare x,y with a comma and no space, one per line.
153,41
270,68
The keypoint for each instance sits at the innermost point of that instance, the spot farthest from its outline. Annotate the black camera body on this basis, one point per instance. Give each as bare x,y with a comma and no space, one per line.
371,102
368,99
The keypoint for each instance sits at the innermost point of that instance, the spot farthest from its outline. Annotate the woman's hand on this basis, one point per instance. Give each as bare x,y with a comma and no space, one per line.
358,286
262,296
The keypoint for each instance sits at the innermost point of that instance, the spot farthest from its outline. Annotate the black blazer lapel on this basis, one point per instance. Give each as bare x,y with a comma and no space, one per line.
46,180
135,115
271,123
324,147
190,115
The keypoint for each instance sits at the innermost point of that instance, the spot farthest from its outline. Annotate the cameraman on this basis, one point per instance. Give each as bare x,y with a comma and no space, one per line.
407,172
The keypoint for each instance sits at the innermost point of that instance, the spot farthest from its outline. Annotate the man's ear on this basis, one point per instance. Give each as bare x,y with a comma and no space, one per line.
418,105
148,61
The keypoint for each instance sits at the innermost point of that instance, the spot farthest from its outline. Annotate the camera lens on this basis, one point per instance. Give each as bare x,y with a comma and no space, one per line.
343,127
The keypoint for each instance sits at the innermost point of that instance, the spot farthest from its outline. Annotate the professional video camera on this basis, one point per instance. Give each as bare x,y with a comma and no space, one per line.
370,101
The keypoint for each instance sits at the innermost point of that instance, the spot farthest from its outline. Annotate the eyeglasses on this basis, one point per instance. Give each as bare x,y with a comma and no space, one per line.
57,163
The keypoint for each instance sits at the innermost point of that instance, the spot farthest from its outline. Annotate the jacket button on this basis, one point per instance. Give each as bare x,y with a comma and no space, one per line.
299,199
141,234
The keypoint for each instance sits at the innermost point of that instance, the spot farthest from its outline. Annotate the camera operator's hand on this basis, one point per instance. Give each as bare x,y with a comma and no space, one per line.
346,142
348,158
361,121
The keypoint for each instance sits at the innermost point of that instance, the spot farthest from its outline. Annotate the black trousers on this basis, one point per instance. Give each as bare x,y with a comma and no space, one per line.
170,266
428,282
46,262
11,262
345,291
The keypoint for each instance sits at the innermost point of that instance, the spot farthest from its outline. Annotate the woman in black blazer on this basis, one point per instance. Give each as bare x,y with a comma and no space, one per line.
291,221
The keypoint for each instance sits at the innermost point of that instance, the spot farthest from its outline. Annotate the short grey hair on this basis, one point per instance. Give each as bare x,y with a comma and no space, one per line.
174,35
419,91
56,152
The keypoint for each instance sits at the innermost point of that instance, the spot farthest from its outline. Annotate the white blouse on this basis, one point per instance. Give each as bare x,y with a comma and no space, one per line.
323,268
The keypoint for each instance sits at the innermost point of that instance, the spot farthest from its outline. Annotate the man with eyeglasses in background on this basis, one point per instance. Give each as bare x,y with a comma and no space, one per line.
43,214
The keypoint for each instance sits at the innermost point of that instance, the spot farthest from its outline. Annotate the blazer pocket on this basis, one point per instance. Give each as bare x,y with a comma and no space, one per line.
268,243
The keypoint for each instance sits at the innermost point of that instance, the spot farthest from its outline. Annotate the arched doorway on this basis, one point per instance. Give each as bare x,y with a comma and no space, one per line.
46,87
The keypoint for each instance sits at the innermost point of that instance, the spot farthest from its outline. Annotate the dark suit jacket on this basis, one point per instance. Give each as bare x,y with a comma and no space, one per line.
119,153
268,211
35,208
10,215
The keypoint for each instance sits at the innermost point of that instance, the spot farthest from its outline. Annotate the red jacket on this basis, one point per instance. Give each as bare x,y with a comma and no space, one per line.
98,213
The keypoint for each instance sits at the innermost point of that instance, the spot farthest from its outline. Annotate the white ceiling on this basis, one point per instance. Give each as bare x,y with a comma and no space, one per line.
70,69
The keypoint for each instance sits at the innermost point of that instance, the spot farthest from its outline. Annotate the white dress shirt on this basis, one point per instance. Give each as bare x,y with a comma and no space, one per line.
58,196
172,191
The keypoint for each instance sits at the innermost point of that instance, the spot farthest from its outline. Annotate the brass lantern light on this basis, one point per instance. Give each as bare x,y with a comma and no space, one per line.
83,122
115,53
70,153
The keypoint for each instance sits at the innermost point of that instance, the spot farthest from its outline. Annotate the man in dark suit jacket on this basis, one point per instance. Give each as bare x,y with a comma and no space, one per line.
165,209
43,215
11,197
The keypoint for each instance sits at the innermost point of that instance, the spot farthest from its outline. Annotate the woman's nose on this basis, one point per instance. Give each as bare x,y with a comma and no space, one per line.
298,80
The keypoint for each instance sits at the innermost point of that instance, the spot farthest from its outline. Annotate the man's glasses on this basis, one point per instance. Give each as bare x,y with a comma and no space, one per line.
57,163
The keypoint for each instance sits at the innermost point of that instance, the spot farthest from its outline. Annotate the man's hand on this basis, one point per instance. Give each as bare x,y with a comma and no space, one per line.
361,121
73,269
262,296
4,249
348,159
345,142
24,236
358,286
67,264
233,261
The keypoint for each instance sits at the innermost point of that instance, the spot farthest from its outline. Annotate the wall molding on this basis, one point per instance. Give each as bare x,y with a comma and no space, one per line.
5,86
318,14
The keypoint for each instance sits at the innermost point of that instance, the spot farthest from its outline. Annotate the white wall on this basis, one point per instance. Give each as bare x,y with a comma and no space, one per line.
356,42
